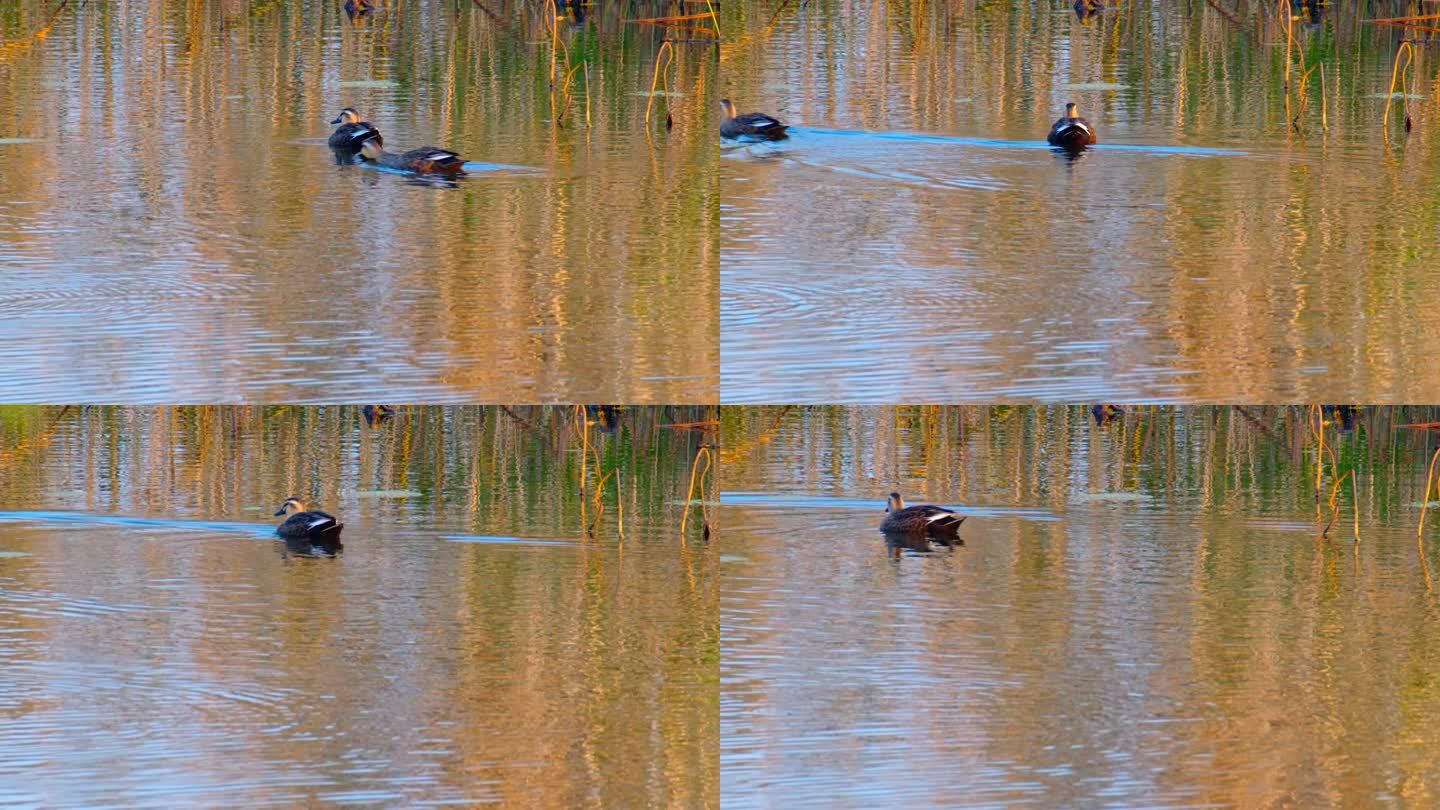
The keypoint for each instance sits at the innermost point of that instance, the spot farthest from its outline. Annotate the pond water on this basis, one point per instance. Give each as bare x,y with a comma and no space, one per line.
1139,615
471,644
916,240
173,227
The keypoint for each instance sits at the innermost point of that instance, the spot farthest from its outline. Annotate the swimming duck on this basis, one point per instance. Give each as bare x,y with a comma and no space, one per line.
425,160
356,8
1106,412
918,519
304,524
754,125
352,131
377,413
1085,9
1072,131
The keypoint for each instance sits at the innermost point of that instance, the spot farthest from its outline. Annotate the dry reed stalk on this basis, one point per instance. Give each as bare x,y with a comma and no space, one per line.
492,15
1409,52
10,50
733,451
619,507
1424,505
1324,123
1285,10
668,51
1355,507
40,441
737,44
1334,507
517,417
703,451
584,444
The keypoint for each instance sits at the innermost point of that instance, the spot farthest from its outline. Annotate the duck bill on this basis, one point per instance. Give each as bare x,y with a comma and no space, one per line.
281,512
335,120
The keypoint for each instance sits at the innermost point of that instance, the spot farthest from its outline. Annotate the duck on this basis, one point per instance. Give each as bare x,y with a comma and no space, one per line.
1085,9
352,132
919,519
425,160
1072,131
754,125
377,413
1106,412
304,523
356,8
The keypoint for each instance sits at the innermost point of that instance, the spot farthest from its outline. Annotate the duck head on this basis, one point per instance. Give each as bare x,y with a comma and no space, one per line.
1072,110
290,506
347,116
728,107
896,503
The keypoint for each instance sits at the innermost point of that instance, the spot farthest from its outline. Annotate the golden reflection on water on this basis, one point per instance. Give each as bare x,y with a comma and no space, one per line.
473,642
1147,270
176,230
1142,613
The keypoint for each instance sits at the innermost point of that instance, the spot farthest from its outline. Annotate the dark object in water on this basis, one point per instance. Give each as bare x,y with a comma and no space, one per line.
606,416
1085,9
1106,412
425,160
916,544
302,547
752,125
1071,131
1311,9
1344,415
304,524
918,519
377,413
352,132
356,8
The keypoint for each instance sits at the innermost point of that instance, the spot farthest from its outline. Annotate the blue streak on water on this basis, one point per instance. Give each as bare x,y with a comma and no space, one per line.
470,167
920,137
254,529
500,539
741,498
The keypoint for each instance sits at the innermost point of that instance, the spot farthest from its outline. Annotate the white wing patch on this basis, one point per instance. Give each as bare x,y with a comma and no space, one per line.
939,516
319,522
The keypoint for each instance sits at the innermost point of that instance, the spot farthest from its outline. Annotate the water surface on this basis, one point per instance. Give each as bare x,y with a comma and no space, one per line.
174,229
490,634
916,239
1140,615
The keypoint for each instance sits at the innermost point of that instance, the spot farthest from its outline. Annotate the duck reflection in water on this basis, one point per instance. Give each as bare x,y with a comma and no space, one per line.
304,547
898,544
